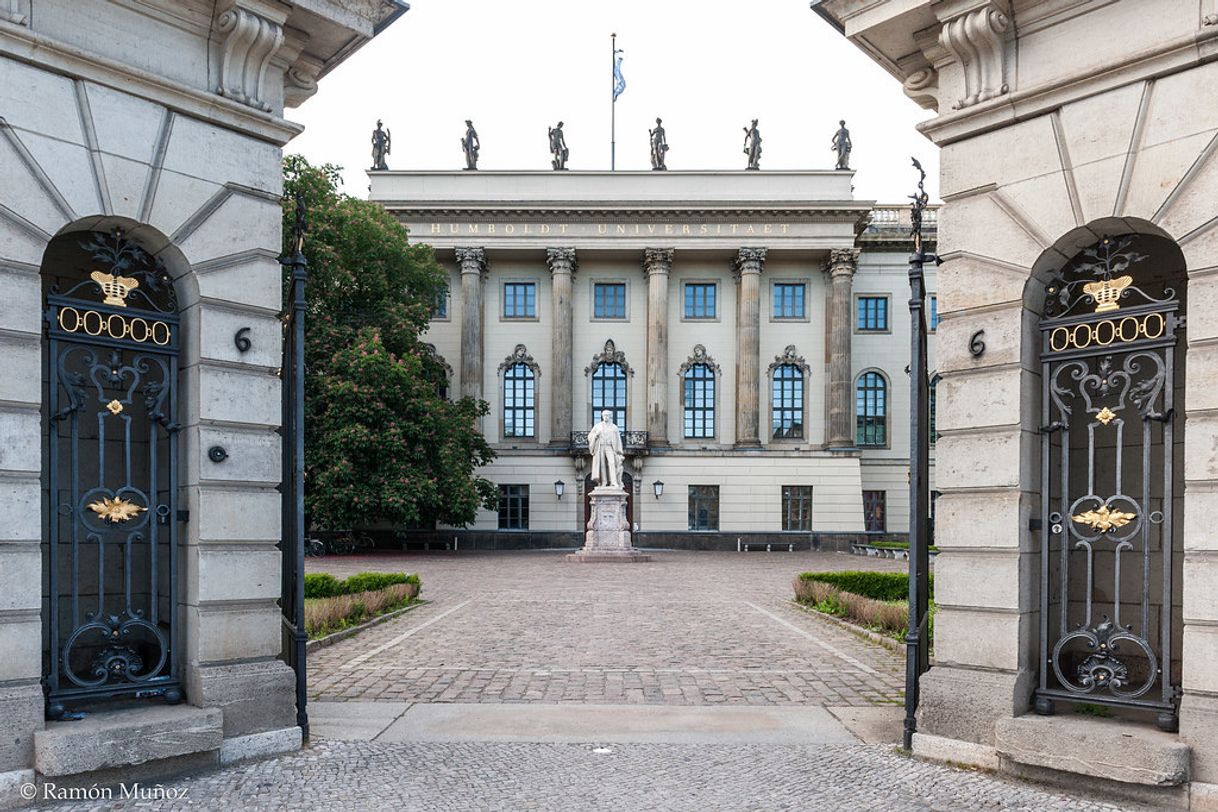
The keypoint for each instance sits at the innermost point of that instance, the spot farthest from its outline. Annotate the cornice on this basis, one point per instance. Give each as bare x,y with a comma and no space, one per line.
833,211
24,45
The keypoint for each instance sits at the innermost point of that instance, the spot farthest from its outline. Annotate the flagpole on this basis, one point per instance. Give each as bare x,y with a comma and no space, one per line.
612,102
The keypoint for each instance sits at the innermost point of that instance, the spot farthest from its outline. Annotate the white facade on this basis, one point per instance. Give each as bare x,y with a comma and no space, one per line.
610,220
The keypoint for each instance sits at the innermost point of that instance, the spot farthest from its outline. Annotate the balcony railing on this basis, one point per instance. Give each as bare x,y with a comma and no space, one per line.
631,441
894,220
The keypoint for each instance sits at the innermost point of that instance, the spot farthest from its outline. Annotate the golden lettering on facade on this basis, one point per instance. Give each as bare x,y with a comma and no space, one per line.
1107,332
114,325
637,229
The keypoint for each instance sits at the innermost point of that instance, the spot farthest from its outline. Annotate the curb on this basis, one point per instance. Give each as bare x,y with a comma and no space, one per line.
338,637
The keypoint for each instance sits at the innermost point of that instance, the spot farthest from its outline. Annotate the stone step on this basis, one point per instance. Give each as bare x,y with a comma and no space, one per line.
123,737
1108,749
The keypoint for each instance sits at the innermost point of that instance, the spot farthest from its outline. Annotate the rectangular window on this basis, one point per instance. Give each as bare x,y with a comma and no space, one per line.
513,507
609,300
441,311
703,507
934,313
875,511
797,507
700,300
520,300
699,411
789,300
872,314
787,403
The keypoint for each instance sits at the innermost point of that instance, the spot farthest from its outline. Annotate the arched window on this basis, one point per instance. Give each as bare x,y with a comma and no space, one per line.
699,399
609,392
519,401
787,402
871,410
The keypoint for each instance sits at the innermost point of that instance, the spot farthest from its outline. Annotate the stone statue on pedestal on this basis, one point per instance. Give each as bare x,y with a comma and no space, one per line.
470,145
605,445
380,147
659,146
841,143
752,145
558,148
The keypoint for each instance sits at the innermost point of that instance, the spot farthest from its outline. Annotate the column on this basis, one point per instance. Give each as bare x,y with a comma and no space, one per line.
842,264
562,271
749,262
657,264
473,270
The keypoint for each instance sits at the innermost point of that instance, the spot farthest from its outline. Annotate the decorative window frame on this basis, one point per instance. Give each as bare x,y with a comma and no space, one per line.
524,280
854,313
448,301
718,300
609,354
790,355
854,416
592,283
520,355
699,356
807,316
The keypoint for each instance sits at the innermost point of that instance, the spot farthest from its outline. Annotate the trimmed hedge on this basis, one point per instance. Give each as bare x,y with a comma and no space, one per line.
325,585
881,586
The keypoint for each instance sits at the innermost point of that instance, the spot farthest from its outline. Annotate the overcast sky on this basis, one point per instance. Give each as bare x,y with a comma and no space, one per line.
706,66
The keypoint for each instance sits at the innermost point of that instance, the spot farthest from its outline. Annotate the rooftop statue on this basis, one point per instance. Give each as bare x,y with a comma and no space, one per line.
558,148
752,145
841,143
470,145
659,146
380,147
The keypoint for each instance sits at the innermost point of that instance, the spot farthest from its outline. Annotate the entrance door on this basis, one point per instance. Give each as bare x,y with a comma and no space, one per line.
627,484
1108,478
112,457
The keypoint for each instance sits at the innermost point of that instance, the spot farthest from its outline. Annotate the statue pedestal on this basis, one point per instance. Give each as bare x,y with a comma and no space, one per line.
607,539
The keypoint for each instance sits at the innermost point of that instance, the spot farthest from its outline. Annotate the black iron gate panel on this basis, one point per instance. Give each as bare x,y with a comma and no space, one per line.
112,454
1107,363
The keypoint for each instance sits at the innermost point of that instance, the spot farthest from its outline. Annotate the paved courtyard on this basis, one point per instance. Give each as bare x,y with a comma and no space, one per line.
689,683
686,629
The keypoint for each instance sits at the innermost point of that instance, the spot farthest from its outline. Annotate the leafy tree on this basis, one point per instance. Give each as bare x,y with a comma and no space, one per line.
381,444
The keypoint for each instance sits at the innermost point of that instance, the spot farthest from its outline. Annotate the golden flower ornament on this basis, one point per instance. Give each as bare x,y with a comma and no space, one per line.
1104,519
115,510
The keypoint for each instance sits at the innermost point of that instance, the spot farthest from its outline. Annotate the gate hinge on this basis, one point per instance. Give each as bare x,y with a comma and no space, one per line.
1052,427
183,516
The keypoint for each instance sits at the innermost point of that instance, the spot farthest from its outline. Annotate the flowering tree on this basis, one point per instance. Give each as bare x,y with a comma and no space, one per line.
381,444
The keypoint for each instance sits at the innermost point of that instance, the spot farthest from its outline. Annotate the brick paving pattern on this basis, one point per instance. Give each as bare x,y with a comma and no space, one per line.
574,778
686,629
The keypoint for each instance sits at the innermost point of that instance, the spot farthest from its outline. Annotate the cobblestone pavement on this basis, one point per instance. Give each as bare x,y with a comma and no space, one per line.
566,777
687,628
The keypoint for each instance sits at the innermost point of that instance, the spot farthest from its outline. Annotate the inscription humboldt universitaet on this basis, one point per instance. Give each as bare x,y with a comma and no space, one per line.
601,229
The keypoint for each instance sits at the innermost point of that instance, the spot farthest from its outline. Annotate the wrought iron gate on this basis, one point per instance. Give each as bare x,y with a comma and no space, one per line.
112,446
1108,374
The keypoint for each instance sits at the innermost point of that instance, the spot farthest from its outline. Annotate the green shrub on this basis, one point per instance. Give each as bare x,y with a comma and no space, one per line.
321,585
325,585
880,586
371,581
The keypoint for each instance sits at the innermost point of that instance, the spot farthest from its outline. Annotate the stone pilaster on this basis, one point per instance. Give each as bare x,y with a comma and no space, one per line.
842,264
749,262
473,270
562,270
657,264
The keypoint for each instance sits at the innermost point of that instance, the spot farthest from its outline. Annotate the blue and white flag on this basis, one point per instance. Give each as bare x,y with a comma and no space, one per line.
619,81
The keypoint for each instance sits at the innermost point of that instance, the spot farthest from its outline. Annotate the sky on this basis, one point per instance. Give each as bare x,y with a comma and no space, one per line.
516,67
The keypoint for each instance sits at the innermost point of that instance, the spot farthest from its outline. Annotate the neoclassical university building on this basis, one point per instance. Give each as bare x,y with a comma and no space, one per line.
748,331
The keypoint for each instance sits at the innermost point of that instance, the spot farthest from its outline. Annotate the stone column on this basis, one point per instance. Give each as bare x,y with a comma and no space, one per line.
657,263
842,264
562,270
749,262
473,270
